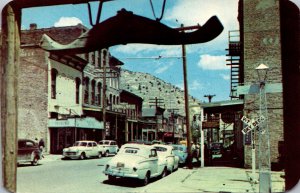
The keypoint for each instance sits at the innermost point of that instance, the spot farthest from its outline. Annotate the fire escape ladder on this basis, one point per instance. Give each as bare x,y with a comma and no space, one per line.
233,60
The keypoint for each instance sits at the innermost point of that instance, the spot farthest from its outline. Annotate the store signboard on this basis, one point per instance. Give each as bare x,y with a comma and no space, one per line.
87,122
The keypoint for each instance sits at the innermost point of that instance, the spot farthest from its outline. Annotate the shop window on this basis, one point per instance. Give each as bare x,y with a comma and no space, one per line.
54,73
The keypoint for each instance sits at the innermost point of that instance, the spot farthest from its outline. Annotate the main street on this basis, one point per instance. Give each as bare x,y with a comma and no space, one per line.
74,176
54,175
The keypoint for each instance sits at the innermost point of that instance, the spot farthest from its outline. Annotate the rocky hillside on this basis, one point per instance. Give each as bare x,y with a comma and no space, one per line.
148,87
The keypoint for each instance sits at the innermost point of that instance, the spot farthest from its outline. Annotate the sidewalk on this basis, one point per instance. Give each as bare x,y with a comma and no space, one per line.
50,157
216,179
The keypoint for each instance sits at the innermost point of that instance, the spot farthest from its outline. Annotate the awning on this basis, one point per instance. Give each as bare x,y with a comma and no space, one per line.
87,123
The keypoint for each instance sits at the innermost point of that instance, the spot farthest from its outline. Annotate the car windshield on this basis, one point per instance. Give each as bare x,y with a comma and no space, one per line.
80,143
162,149
104,143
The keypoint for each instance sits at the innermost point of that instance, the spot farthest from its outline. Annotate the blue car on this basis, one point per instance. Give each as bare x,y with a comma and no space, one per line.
181,152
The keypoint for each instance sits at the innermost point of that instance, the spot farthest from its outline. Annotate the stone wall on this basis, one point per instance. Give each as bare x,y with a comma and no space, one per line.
262,44
32,94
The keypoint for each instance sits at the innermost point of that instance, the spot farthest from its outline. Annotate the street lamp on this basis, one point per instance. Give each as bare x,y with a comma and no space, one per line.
264,136
262,72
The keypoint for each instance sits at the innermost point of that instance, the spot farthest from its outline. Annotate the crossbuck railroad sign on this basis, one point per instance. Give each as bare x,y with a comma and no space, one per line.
252,124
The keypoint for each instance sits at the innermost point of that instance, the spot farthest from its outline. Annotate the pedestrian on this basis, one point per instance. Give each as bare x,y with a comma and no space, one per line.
42,146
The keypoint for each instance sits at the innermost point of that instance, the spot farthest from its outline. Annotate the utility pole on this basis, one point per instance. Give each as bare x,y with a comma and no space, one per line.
157,102
264,145
187,113
173,121
104,61
209,96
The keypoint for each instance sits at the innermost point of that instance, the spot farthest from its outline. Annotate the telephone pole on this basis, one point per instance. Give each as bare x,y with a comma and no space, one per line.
173,111
209,96
157,103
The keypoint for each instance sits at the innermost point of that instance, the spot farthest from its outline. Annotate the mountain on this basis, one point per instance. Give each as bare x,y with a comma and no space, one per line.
148,87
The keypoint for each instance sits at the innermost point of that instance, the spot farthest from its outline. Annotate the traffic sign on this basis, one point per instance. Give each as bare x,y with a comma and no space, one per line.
252,124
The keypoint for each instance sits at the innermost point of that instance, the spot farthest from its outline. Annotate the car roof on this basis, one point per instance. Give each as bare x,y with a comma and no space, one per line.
162,145
106,140
136,145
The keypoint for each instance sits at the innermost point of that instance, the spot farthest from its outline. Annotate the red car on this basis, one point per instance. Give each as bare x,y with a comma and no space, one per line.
28,152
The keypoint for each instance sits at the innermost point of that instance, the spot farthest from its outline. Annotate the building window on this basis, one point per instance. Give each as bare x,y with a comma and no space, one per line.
77,94
93,91
110,99
54,73
99,89
93,55
114,100
86,90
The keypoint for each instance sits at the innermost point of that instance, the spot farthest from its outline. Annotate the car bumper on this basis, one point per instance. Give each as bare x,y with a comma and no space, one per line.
71,155
121,173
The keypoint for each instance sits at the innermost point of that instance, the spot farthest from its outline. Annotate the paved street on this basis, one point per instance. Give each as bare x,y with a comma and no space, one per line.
54,175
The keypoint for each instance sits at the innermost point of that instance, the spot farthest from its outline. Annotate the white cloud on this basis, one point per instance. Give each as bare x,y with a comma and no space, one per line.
196,85
164,67
225,76
199,11
134,49
67,21
208,62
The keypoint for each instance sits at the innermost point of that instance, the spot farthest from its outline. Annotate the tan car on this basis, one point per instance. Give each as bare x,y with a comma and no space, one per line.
28,152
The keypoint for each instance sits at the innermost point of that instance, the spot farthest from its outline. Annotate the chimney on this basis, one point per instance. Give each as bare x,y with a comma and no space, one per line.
33,26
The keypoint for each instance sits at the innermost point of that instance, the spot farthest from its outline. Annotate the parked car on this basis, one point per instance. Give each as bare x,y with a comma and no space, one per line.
181,152
157,142
28,151
82,150
166,153
136,161
109,146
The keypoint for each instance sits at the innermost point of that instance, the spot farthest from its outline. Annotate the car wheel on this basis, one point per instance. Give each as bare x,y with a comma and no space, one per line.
106,153
164,173
172,169
99,155
146,179
111,178
35,161
82,156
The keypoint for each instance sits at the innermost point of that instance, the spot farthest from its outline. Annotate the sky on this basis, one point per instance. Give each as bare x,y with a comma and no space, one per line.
207,72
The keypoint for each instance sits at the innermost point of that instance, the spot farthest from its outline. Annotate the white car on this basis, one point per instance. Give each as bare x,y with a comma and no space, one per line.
82,150
109,146
136,161
166,153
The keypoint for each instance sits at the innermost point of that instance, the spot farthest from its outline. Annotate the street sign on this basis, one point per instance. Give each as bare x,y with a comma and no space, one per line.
251,124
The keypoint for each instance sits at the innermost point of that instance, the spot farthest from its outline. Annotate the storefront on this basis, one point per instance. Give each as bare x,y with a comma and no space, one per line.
63,133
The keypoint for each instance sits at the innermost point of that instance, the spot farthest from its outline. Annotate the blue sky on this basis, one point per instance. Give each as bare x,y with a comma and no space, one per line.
207,70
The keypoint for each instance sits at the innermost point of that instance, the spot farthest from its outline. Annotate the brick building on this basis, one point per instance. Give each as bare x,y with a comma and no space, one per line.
61,96
33,80
270,35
